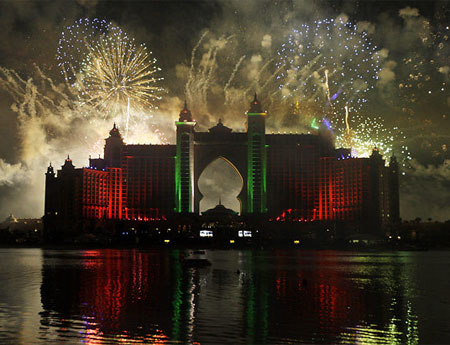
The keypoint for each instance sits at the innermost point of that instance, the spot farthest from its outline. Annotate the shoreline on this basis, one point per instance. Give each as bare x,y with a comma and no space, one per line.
349,248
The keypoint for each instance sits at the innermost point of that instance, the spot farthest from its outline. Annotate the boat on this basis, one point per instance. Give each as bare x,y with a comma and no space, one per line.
196,262
196,259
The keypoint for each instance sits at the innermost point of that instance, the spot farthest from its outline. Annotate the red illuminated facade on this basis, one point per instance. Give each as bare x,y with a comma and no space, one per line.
131,182
295,178
310,182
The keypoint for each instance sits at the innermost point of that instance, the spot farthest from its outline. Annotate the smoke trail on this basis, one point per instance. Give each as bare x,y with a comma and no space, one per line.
227,85
202,74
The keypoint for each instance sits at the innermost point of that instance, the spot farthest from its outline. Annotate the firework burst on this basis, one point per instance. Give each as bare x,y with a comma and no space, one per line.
109,71
326,66
119,74
363,134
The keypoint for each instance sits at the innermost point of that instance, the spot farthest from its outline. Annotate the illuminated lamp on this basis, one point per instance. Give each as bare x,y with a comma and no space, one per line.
296,242
231,241
166,241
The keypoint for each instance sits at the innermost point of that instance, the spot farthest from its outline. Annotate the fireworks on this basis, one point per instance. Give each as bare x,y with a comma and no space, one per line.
223,76
109,70
73,43
370,132
117,74
327,66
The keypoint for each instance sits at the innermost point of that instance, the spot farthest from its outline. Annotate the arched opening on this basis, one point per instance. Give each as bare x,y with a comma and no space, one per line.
220,180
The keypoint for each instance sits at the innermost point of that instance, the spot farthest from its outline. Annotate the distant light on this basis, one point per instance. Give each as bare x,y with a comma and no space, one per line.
166,241
244,233
296,241
231,241
206,233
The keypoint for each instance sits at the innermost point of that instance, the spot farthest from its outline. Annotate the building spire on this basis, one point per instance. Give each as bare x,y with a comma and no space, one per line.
220,200
50,169
255,106
185,114
114,132
67,163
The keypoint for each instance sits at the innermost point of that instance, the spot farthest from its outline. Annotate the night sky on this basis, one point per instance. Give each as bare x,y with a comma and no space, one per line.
216,54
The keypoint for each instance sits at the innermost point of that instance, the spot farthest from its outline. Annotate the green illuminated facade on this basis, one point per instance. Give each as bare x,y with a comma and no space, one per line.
184,163
257,159
245,151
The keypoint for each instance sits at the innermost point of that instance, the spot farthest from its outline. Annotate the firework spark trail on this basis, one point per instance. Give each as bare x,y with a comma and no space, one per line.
128,118
28,99
348,137
208,72
213,63
347,126
327,87
40,117
12,83
271,95
195,86
192,66
302,76
268,79
201,76
233,74
256,83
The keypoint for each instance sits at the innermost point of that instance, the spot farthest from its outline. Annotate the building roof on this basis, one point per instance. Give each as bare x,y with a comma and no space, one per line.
114,132
219,211
220,128
10,219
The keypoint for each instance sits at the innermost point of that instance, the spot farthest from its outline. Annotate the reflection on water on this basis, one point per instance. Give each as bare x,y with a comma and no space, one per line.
279,296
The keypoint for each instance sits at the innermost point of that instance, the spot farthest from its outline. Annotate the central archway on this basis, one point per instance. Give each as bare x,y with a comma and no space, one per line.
220,180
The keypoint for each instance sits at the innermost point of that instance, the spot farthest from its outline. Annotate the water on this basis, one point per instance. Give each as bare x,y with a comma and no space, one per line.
279,296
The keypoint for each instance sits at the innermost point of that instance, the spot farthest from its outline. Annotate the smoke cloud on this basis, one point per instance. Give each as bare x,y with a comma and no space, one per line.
266,41
387,73
423,192
408,12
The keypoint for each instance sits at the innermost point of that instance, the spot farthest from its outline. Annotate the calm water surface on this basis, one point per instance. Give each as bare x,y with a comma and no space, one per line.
279,296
